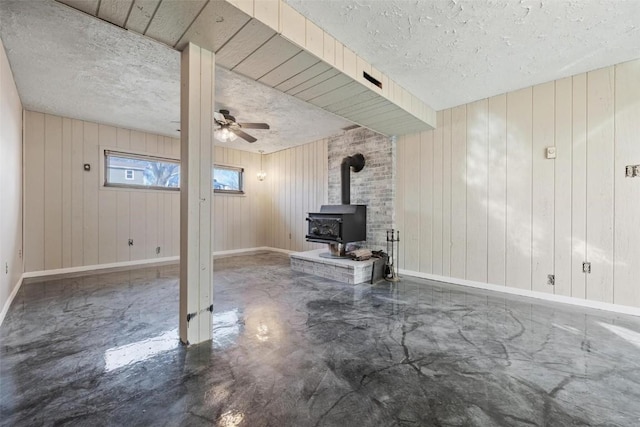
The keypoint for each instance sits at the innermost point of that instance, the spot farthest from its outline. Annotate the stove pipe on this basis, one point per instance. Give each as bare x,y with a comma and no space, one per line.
357,163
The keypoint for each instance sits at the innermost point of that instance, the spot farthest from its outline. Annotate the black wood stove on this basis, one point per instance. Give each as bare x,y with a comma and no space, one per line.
338,225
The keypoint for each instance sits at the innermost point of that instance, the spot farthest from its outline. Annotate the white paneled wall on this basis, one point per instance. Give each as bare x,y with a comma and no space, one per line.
488,206
297,183
71,219
11,265
238,220
627,191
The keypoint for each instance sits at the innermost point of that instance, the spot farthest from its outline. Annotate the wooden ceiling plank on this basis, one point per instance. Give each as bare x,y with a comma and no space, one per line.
386,108
269,56
314,81
386,119
345,92
363,106
243,44
302,77
141,14
290,68
215,25
365,96
173,19
244,5
395,123
86,6
338,81
402,126
115,11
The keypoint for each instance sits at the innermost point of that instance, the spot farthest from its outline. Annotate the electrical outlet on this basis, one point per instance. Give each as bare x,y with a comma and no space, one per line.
20,253
586,267
551,279
6,268
632,171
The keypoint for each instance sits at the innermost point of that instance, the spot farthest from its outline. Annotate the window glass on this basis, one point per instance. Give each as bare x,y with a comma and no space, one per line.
227,179
139,171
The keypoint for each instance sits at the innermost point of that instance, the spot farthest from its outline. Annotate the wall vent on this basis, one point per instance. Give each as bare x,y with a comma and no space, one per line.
371,79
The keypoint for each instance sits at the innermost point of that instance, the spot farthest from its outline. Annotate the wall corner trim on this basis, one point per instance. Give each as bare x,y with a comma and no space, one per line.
614,308
12,295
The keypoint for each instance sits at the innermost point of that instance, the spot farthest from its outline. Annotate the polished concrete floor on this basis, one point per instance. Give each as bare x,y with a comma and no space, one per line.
291,349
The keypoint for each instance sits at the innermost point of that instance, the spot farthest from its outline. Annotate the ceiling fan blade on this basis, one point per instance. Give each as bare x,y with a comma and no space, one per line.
243,135
254,125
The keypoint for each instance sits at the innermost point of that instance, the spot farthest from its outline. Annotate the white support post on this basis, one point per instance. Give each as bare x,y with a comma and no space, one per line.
197,76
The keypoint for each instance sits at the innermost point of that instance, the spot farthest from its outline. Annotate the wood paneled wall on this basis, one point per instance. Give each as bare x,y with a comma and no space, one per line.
239,220
296,184
488,206
10,184
70,218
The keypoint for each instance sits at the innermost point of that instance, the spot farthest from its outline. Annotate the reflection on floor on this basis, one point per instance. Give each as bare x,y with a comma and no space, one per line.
292,349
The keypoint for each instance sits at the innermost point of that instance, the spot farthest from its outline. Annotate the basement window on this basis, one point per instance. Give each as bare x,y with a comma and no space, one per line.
228,179
127,170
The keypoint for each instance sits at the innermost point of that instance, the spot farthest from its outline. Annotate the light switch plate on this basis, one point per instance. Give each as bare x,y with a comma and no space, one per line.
551,152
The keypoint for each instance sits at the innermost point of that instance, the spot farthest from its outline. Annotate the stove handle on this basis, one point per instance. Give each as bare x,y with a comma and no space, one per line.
320,218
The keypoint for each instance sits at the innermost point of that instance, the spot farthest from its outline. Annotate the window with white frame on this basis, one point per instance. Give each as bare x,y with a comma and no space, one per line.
228,179
130,170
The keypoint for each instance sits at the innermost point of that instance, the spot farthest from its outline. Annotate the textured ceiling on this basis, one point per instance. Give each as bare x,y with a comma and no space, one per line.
68,63
450,52
446,52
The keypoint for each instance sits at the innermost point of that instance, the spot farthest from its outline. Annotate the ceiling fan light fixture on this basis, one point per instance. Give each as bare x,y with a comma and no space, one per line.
230,129
224,135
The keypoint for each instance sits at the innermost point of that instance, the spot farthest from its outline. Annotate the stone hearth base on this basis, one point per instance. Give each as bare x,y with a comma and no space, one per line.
341,270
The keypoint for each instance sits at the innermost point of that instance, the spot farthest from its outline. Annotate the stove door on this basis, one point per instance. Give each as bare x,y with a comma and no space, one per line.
324,229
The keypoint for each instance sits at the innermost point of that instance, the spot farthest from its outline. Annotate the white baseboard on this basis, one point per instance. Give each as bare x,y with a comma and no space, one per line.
44,273
248,250
282,251
82,268
616,308
12,295
239,251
